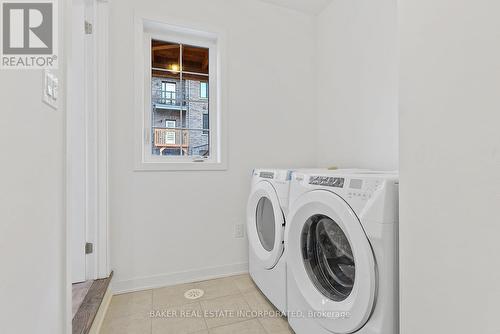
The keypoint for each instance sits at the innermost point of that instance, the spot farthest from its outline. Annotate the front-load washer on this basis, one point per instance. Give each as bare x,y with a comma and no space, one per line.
267,212
266,216
342,253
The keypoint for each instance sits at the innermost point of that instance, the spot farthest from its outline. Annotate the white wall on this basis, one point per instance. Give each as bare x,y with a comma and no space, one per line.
450,163
170,226
32,231
357,84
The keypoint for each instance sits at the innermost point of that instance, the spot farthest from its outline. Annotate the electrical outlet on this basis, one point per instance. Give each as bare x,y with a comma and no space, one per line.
239,231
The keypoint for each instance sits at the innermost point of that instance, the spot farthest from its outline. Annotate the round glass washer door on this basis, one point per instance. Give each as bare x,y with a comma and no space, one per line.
331,261
265,224
328,257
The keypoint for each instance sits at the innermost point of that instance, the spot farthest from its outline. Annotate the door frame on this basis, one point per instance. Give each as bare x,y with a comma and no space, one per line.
75,146
97,154
95,78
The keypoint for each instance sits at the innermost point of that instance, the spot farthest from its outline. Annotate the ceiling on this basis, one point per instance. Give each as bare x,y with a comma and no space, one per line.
306,6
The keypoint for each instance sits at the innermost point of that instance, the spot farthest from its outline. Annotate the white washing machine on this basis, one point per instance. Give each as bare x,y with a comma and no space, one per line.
266,216
267,212
342,253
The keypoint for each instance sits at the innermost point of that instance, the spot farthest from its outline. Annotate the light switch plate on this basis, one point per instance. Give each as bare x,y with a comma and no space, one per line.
50,92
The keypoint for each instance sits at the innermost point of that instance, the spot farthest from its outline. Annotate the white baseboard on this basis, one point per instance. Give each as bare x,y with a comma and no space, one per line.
145,283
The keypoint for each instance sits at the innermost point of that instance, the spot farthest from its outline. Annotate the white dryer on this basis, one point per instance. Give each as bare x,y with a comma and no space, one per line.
342,253
266,216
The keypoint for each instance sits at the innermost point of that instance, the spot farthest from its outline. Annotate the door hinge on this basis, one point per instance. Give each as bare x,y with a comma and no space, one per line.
88,28
89,248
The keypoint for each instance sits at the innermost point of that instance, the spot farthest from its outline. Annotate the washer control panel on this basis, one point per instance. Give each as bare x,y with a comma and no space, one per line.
327,181
362,189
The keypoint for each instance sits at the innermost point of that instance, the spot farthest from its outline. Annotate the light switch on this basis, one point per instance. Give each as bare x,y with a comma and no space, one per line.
50,88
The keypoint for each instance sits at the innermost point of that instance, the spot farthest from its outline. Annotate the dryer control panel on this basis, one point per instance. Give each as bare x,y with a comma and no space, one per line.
266,175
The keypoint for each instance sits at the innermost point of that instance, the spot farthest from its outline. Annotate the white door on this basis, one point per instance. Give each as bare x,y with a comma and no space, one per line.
332,261
265,224
76,144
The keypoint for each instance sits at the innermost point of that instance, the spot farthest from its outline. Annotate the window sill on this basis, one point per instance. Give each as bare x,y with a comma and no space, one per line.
179,166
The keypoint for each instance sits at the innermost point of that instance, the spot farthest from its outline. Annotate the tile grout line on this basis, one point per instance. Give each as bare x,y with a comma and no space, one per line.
268,303
203,315
236,322
262,325
151,319
258,318
239,322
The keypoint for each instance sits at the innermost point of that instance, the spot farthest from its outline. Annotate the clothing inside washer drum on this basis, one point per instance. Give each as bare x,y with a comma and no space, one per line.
328,257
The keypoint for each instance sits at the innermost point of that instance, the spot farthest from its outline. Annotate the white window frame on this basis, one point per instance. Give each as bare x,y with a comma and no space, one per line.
146,30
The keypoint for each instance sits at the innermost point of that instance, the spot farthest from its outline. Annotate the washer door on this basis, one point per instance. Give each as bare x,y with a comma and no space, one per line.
332,261
265,224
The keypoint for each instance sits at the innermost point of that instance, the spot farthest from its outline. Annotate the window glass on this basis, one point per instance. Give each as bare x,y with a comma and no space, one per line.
199,144
203,90
180,103
206,124
195,59
165,55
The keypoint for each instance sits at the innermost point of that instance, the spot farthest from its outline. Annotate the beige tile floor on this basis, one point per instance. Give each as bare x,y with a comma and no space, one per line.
230,305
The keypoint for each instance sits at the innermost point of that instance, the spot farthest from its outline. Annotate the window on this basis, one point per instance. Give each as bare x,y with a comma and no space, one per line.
169,133
181,117
185,66
203,90
170,124
168,90
206,124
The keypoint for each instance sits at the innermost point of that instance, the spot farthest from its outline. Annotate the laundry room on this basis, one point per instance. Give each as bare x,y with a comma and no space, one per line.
249,166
